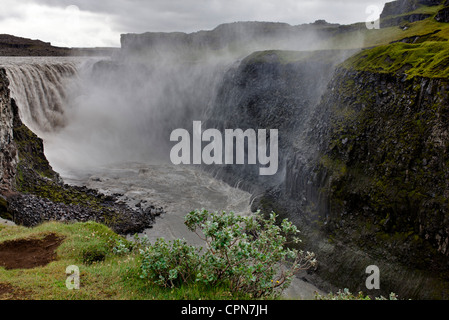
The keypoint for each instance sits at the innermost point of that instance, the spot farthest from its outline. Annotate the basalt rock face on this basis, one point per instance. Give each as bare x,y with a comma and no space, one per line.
399,7
363,167
8,154
382,178
368,183
397,21
387,152
398,13
270,90
443,15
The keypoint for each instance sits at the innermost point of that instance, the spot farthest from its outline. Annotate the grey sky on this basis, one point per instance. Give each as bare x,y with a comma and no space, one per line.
87,23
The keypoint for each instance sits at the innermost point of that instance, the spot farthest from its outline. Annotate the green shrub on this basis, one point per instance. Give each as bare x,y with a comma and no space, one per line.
246,254
122,247
170,264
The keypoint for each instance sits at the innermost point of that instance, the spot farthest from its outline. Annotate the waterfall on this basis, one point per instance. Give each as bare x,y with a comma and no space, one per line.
40,90
95,111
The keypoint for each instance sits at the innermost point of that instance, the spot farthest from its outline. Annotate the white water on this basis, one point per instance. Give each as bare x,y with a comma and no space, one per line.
40,89
178,189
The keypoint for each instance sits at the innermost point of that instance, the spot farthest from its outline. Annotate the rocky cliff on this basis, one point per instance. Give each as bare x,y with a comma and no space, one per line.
17,46
8,154
237,39
364,164
382,173
364,159
400,7
270,90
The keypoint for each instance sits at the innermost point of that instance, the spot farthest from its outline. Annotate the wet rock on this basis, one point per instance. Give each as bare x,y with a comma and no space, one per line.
30,210
443,15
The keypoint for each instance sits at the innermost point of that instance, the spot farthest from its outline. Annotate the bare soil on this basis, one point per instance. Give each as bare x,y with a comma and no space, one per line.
29,253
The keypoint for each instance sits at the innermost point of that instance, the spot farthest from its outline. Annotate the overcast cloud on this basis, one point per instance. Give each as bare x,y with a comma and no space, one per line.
90,23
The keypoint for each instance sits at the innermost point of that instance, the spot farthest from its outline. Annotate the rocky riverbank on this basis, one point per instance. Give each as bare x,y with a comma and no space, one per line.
30,210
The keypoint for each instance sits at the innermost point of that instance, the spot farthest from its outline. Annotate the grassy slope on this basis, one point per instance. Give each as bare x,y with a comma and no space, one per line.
383,51
117,277
428,59
428,56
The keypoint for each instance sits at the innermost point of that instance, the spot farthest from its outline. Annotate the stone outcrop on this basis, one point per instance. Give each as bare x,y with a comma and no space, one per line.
401,7
382,176
443,15
8,154
398,13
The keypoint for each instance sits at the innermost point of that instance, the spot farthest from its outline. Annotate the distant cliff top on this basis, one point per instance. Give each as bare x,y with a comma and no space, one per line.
239,38
16,46
258,36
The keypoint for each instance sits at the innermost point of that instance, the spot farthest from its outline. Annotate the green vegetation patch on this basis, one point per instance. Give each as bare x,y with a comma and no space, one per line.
31,154
428,59
241,263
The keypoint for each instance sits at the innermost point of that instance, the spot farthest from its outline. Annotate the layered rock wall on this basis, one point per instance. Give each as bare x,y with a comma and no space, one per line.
364,166
8,154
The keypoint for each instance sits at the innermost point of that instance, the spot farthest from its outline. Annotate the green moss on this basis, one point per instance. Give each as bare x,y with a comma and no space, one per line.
428,59
336,166
31,153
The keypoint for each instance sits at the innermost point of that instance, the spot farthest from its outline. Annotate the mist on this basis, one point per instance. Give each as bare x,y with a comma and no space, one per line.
123,109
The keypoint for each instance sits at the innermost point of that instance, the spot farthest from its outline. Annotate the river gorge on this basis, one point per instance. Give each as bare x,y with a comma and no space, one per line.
362,140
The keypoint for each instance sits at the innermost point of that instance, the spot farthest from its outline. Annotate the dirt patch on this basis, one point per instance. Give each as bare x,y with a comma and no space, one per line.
8,292
29,253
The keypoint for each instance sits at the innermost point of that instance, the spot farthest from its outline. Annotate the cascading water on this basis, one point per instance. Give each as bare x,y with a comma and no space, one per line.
40,89
107,126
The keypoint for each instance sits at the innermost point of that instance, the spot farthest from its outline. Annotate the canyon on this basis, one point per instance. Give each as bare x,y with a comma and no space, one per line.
362,125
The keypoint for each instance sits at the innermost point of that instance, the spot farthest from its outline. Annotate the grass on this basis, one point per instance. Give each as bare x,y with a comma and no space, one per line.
428,59
383,51
117,277
427,56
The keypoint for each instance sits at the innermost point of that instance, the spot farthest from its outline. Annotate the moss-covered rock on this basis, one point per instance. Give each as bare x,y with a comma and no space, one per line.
428,59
